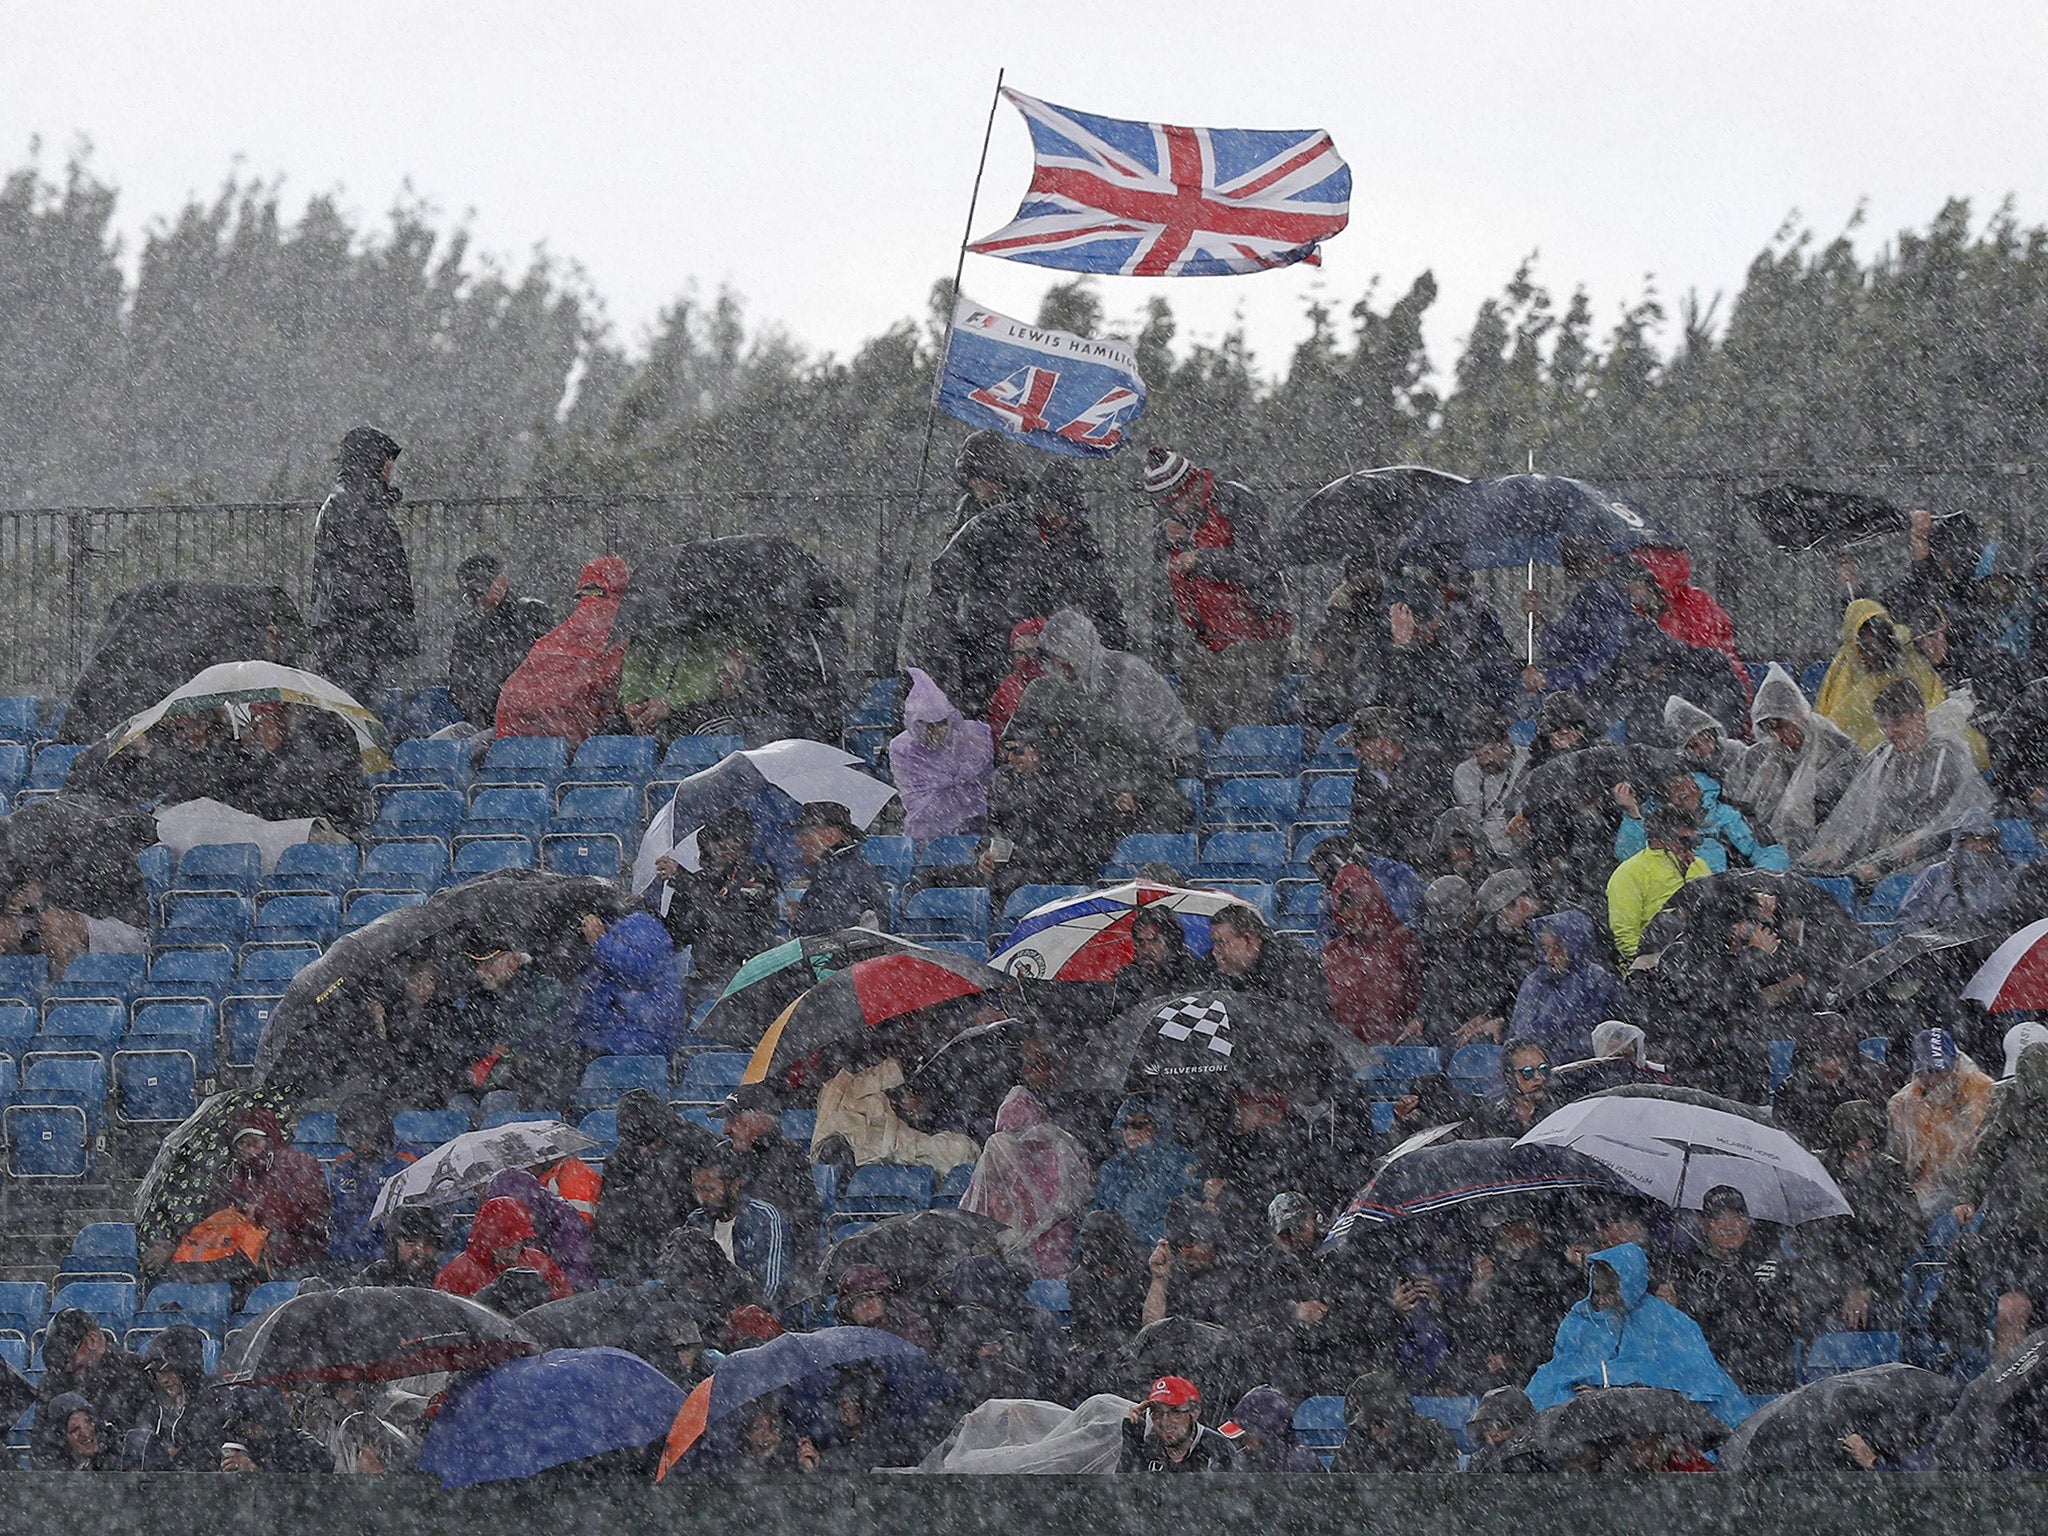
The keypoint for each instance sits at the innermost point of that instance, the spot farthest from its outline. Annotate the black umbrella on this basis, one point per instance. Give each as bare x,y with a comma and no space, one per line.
1801,517
158,635
1209,1041
1599,1421
736,579
917,1250
1364,512
641,1319
1217,1360
1897,1408
371,1333
1449,1175
82,848
775,978
1514,519
2000,1423
323,1028
175,1191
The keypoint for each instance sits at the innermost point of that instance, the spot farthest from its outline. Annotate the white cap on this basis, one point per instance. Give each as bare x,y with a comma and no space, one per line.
2017,1039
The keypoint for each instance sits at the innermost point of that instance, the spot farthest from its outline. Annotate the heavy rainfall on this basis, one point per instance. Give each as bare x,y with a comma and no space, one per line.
661,924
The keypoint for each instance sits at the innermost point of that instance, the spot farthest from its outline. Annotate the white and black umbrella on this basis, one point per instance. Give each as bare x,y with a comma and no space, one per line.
1675,1144
462,1167
770,783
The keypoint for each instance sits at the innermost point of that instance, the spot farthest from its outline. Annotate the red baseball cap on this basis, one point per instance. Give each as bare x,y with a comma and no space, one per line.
1174,1392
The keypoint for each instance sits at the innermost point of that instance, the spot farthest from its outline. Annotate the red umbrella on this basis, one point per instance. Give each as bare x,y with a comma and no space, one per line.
2015,978
865,996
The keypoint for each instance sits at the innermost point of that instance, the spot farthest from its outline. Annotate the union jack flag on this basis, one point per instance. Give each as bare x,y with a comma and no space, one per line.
1154,200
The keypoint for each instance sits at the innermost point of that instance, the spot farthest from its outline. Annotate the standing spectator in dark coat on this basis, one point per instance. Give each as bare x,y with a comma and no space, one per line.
1072,571
492,636
985,581
1403,785
1312,1328
1436,676
1829,1070
845,891
1849,1266
646,1188
725,910
362,579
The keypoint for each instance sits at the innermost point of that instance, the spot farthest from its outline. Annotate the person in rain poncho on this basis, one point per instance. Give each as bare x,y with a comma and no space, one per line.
1936,1118
941,763
1874,653
1035,1179
1910,792
629,1000
856,1106
1371,960
1569,992
500,1238
1970,890
568,685
1797,771
1148,1172
1125,699
1699,738
1622,1336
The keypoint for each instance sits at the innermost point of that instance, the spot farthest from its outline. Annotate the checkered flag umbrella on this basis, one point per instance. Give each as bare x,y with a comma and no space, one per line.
1207,1040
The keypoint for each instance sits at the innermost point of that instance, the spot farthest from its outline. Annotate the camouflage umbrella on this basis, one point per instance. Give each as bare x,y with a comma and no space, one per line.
188,1163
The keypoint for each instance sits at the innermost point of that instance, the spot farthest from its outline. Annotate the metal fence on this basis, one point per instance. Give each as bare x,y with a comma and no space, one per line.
61,566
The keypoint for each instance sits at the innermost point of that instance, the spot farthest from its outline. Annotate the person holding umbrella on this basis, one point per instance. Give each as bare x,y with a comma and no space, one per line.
725,911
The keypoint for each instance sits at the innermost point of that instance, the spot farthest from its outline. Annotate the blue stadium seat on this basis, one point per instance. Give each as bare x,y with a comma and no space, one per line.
270,967
893,856
235,867
614,760
693,754
10,1078
1326,802
267,1296
877,1190
602,1126
529,760
367,906
1320,1426
946,912
1780,1053
100,1248
599,808
189,1024
1454,1413
1177,850
419,1131
25,1304
20,719
1028,898
77,1080
79,1026
1051,1296
1475,1069
507,810
403,867
304,917
482,855
1833,1353
196,917
155,1087
424,761
952,1187
1333,754
314,867
1882,905
155,864
1841,887
1253,803
1301,904
945,852
1243,855
243,1021
609,1078
418,813
1246,751
46,1141
318,1135
19,1021
1811,679
600,855
880,705
1394,1067
1258,893
52,766
2016,836
13,766
111,1303
24,976
498,1117
799,1125
113,977
709,1077
188,973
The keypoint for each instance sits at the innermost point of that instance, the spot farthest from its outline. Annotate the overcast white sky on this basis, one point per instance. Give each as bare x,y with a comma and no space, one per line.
818,157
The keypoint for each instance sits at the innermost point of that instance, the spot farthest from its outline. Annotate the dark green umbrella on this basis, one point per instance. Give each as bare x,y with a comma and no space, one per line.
775,978
189,1162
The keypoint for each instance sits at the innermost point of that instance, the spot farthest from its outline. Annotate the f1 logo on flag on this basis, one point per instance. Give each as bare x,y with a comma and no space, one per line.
1069,395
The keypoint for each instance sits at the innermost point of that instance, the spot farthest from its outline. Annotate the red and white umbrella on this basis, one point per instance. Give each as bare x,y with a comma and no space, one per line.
1088,937
2015,978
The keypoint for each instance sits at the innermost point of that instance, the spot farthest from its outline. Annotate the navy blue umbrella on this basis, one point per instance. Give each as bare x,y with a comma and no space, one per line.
528,1415
1447,1174
1513,519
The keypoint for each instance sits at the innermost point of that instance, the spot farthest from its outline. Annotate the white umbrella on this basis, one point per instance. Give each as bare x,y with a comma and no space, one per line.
2016,975
465,1165
808,772
1675,1144
238,684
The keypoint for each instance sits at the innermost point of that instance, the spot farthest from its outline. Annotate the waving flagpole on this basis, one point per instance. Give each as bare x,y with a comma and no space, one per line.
931,409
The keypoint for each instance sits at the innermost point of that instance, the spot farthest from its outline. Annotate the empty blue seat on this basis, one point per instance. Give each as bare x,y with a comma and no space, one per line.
946,912
81,1026
507,810
614,760
482,855
1320,1426
403,867
424,761
205,1305
24,976
78,1081
155,1087
266,967
1394,1067
419,1131
1882,905
101,1248
877,1190
19,1021
1454,1413
305,917
1256,893
1833,1353
1051,1296
111,1303
315,867
609,1078
880,705
236,867
318,1133
25,1304
1254,803
709,1077
270,1294
600,855
1475,1069
20,718
953,849
952,1187
197,917
243,1021
116,977
1301,903
52,766
2016,836
1177,850
1243,856
1248,750
46,1141
1780,1054
1333,754
599,808
693,754
893,856
367,906
542,760
13,766
418,813
1326,802
190,1024
602,1126
188,973
1028,898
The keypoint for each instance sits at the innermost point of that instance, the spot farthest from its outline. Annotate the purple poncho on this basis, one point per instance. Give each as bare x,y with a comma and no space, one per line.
944,788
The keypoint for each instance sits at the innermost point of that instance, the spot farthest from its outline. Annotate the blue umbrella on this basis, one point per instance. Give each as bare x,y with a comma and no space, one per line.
1514,519
528,1415
916,1385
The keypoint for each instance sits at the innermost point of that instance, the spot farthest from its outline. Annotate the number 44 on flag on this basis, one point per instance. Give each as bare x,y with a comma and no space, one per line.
1065,394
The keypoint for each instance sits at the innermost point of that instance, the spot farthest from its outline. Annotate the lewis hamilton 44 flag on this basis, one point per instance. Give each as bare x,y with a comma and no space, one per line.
1155,200
1063,393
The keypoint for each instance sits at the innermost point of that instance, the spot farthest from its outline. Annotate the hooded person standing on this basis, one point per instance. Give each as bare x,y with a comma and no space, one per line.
1569,993
628,998
492,635
941,763
1794,776
1372,961
1228,592
1117,693
1072,571
1622,1336
362,617
568,685
1036,1180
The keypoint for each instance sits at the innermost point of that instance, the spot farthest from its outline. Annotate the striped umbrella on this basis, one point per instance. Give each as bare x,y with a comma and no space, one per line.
238,684
2016,976
1088,937
775,978
868,994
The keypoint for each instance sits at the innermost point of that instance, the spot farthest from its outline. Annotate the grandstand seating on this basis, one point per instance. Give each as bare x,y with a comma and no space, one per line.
403,867
233,867
302,916
418,813
946,912
482,855
1247,750
1179,851
530,761
113,977
609,1078
1270,802
188,1024
693,754
1242,855
317,868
